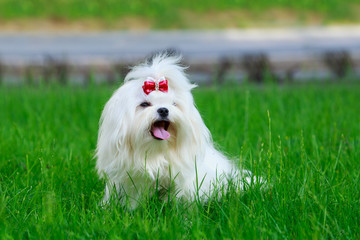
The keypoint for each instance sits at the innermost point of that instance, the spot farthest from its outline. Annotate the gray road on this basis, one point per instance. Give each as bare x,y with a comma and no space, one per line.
207,46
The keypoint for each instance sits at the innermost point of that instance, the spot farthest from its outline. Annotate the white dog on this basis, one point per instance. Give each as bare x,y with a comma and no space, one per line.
151,135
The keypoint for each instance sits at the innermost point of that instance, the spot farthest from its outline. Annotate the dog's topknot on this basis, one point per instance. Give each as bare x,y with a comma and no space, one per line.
165,53
165,63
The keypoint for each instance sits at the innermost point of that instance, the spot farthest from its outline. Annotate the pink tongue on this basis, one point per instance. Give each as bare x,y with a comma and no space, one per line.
160,132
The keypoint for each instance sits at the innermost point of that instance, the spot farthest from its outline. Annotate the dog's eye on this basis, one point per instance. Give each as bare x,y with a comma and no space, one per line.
145,104
174,103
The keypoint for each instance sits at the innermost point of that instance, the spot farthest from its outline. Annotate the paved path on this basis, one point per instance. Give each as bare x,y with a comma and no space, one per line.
208,46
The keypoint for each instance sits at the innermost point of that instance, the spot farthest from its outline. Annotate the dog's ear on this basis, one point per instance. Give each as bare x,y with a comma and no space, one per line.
201,133
112,130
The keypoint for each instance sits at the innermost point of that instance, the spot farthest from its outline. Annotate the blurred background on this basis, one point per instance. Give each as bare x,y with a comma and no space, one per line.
237,40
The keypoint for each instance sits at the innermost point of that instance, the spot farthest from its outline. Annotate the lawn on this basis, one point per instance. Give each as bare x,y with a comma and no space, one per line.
304,139
163,14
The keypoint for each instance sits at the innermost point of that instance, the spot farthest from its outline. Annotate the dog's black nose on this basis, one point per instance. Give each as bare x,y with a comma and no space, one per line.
163,112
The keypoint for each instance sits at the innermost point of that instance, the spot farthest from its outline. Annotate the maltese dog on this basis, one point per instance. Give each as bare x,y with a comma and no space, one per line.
152,136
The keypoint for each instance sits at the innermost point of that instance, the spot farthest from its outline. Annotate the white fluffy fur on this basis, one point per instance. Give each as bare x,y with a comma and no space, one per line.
133,161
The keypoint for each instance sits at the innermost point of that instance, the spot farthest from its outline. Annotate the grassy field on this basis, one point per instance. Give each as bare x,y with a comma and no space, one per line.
181,13
303,139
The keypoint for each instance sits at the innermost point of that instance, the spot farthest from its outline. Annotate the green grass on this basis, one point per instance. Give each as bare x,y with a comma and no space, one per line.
170,14
309,154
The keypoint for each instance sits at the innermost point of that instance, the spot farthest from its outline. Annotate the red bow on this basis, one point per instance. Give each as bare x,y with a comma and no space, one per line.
150,86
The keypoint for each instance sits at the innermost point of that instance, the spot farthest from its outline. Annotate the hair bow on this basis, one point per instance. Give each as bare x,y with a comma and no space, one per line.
152,84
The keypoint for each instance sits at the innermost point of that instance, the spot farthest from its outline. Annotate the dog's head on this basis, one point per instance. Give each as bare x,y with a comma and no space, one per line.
152,112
